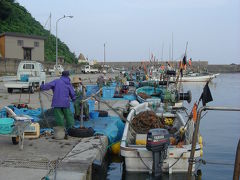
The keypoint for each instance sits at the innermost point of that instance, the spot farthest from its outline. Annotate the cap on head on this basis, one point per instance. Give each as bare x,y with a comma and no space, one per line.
65,73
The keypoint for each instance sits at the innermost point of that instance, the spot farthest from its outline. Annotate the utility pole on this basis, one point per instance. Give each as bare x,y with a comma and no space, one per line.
50,22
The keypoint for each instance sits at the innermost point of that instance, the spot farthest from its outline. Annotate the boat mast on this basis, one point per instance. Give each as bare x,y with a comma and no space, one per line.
172,46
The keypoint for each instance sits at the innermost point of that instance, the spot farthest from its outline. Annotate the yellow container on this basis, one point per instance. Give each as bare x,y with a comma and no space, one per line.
141,139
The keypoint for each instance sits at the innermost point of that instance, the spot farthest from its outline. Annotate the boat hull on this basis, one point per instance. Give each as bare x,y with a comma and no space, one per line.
140,160
196,78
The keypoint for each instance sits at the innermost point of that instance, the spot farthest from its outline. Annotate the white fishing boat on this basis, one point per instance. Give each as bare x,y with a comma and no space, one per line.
189,77
139,159
197,77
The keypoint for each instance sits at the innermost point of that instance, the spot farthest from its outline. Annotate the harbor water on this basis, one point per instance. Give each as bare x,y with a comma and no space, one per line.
220,132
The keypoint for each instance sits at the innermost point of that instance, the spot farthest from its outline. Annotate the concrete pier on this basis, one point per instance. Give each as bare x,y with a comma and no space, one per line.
77,164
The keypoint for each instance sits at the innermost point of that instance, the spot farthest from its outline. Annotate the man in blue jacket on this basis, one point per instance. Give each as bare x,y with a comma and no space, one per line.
62,92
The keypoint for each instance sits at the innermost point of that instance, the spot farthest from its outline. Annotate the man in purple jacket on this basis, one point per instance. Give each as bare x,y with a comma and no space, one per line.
62,92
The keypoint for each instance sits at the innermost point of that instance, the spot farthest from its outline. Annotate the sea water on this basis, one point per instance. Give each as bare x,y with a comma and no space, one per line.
220,132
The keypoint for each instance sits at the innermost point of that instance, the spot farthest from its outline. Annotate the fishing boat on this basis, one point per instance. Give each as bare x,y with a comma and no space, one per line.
162,94
151,93
133,145
197,77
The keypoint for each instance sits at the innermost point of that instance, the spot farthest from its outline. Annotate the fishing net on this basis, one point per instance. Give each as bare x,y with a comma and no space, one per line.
145,121
144,95
49,119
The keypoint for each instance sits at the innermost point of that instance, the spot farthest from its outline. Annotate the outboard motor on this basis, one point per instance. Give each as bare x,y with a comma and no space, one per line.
158,142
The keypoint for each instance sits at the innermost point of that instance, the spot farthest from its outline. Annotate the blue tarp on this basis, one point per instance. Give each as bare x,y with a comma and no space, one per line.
112,127
130,97
34,113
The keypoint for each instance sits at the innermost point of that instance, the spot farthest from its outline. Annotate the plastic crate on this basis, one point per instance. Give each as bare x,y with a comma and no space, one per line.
3,113
114,84
6,125
91,104
91,89
108,92
94,114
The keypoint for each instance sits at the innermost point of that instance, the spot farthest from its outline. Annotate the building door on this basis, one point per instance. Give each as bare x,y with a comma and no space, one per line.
27,53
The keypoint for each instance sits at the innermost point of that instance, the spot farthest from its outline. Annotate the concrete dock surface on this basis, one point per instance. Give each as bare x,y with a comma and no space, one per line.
47,157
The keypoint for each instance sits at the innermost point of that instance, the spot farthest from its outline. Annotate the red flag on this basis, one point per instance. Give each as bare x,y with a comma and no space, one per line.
190,62
194,112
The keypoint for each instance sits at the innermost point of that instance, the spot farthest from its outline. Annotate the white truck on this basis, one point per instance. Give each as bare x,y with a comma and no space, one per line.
89,69
57,70
30,75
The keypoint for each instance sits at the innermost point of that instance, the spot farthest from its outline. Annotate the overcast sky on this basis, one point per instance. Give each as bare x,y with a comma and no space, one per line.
133,28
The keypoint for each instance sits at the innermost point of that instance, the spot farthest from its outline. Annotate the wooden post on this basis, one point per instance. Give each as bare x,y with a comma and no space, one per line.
81,125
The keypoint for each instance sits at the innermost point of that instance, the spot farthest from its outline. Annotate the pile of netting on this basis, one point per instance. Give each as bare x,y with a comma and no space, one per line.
145,121
144,95
49,120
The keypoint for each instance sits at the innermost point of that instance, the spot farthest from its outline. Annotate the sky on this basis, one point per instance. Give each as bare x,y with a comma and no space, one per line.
134,29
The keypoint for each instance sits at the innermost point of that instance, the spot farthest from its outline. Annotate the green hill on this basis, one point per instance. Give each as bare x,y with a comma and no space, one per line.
15,18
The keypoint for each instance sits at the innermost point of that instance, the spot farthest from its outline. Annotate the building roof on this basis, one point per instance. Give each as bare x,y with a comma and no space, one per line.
15,34
81,56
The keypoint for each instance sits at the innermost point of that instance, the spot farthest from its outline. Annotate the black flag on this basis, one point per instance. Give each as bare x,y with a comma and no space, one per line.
206,95
184,60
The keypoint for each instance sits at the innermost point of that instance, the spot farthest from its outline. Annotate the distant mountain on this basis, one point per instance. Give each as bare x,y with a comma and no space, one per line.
15,18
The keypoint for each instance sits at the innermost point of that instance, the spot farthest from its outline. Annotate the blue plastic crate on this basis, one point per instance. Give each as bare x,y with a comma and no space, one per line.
3,113
108,92
91,104
94,114
114,84
91,89
6,125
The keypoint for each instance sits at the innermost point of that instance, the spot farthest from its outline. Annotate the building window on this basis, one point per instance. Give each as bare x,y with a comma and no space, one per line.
36,44
20,42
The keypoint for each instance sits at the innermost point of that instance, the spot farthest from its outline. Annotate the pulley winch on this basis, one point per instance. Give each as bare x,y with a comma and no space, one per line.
175,96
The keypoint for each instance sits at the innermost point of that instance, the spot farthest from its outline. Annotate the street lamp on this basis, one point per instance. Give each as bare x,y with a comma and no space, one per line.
57,38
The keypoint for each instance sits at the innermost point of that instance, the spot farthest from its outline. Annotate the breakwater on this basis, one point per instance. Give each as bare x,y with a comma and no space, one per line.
9,66
218,68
